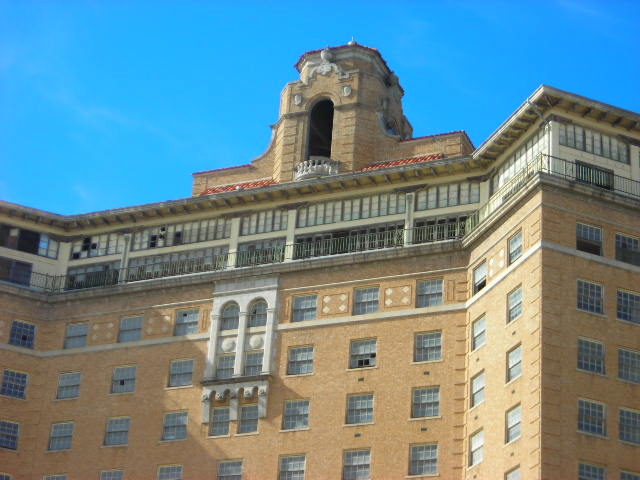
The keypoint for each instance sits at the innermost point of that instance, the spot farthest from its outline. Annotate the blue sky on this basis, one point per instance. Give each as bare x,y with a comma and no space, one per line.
105,104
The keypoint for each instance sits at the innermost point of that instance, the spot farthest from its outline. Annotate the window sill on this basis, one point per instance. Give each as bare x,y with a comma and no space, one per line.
417,419
423,475
513,320
358,369
629,322
5,449
173,440
593,435
64,399
473,466
511,442
58,451
294,375
423,362
603,375
358,424
476,406
123,445
513,380
629,442
178,387
228,435
247,434
13,398
625,380
122,393
305,429
595,314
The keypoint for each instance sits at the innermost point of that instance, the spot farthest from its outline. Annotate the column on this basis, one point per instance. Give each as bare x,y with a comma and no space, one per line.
268,341
124,258
238,366
291,230
408,218
212,350
233,242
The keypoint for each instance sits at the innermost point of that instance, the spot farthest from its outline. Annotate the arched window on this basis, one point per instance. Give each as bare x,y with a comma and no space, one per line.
230,317
321,129
258,314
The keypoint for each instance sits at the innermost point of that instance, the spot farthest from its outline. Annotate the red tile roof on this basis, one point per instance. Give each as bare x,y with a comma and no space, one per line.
238,186
404,161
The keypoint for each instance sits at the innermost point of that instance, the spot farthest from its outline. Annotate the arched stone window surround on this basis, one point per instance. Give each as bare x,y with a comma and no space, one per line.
320,127
257,313
230,316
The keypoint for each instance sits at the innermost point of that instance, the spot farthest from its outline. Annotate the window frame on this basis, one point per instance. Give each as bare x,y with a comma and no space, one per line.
7,439
514,253
629,254
588,358
71,340
301,311
350,471
171,382
226,421
633,299
251,367
179,470
300,419
476,392
289,474
133,380
479,332
634,426
430,406
177,430
368,359
305,361
429,466
257,318
513,429
229,475
186,327
128,333
516,366
515,305
587,239
360,405
77,386
429,298
230,316
232,369
65,438
586,423
115,430
428,352
365,306
248,422
11,388
30,341
478,451
584,299
602,474
635,359
479,282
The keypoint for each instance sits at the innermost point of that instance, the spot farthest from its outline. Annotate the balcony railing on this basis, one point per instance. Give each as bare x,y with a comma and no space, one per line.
316,166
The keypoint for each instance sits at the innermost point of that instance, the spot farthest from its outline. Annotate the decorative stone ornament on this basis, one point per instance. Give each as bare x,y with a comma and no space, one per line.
346,90
297,99
256,342
228,345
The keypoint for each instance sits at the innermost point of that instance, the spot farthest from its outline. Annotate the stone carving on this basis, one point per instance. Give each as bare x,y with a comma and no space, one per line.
323,67
248,392
205,398
220,396
346,90
297,99
228,345
256,342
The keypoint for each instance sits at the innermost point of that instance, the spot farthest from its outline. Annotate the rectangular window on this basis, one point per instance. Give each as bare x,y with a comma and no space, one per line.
428,347
304,308
14,271
170,472
629,365
230,470
61,436
187,322
225,366
292,468
180,373
426,402
366,300
513,424
478,330
591,356
69,385
175,426
253,363
589,238
76,335
429,293
356,464
630,426
55,477
219,421
514,474
14,384
248,419
423,460
590,297
360,408
362,353
130,329
479,277
477,389
628,307
514,304
22,334
628,249
117,431
629,476
591,417
123,380
112,475
300,361
515,247
591,472
9,434
514,363
476,448
296,415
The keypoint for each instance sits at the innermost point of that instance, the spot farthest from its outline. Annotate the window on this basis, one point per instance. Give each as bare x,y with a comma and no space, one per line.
592,141
426,402
514,474
629,365
450,195
363,353
55,477
28,241
477,389
423,460
264,222
76,335
187,322
514,304
360,408
225,366
219,421
591,472
117,431
479,277
14,384
628,307
591,356
628,249
257,314
478,330
68,385
248,419
9,433
429,293
513,424
253,363
130,329
300,361
428,347
630,426
180,373
591,417
112,475
170,472
589,239
61,436
175,426
476,447
292,468
366,300
356,465
296,415
514,363
304,308
590,297
230,470
124,380
515,247
629,476
230,317
22,334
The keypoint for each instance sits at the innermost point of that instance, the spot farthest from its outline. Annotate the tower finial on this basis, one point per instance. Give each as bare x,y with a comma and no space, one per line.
353,41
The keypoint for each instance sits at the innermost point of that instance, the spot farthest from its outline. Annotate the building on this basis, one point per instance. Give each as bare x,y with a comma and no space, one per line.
355,303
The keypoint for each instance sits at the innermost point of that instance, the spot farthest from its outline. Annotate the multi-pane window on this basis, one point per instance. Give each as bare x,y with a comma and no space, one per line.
180,373
123,380
28,241
130,329
591,472
360,408
362,353
304,308
590,297
187,322
170,472
69,385
55,477
264,222
61,436
97,246
514,363
514,304
428,347
426,402
591,356
477,389
515,247
589,238
476,448
112,475
169,264
591,417
513,424
225,366
22,334
76,335
628,249
253,363
423,460
628,307
117,431
292,468
366,300
219,421
629,476
181,233
514,474
296,415
231,470
248,419
592,141
517,162
478,332
230,317
441,196
479,277
629,365
14,384
300,361
356,465
630,426
15,272
429,293
9,434
94,275
175,426
257,314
